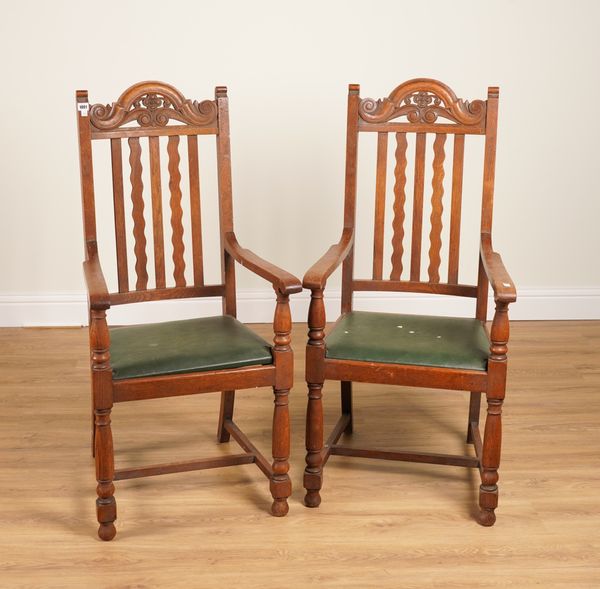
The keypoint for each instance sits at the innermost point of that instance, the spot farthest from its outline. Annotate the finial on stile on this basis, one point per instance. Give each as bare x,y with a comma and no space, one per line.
221,92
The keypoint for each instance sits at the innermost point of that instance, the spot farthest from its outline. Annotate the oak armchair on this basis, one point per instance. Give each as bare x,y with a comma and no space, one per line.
410,350
178,357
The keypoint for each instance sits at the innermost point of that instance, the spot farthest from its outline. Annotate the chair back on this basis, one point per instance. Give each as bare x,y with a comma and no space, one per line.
420,110
150,122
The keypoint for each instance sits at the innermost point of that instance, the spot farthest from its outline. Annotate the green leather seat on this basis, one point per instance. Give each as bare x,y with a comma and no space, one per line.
193,345
421,340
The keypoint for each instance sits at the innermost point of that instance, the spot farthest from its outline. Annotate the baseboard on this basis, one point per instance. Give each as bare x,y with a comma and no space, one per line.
256,306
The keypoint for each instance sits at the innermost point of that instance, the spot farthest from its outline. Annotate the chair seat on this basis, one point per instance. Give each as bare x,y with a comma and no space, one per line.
421,340
193,345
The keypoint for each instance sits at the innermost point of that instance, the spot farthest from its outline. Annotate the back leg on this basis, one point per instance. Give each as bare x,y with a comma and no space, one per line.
346,387
226,412
474,407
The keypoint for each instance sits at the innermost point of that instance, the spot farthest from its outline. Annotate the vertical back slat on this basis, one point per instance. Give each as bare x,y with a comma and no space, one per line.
141,261
437,208
399,203
380,181
157,217
455,211
176,211
196,217
119,204
417,225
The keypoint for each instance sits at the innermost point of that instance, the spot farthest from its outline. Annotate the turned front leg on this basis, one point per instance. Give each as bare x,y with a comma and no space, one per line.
106,507
488,491
313,473
492,440
315,357
281,486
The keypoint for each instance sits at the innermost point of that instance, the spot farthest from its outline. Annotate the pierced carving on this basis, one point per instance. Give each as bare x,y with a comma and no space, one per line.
422,101
152,104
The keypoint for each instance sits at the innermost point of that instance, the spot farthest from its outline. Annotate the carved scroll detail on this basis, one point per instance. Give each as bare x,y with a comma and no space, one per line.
422,101
152,104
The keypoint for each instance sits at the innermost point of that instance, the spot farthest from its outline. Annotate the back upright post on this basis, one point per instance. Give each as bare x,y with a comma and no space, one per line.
226,225
349,222
350,193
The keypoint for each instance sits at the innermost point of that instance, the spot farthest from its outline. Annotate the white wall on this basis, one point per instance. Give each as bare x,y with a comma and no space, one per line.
287,66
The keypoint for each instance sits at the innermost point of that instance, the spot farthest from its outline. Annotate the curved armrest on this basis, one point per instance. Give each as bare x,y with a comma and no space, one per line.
316,277
502,284
281,280
94,279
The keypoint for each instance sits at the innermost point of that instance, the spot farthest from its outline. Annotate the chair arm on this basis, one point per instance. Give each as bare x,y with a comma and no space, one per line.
281,280
316,277
94,278
502,284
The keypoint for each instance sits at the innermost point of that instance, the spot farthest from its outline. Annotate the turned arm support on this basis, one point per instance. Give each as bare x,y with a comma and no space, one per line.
99,334
284,284
315,279
94,278
504,294
502,284
282,281
317,275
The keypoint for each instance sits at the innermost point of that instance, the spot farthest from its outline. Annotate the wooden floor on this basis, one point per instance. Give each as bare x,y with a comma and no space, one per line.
381,524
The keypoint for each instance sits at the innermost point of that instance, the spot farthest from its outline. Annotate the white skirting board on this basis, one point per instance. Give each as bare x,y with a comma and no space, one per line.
257,306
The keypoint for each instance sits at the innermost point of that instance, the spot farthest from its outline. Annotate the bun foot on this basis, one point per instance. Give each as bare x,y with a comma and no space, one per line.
107,532
312,499
486,517
280,507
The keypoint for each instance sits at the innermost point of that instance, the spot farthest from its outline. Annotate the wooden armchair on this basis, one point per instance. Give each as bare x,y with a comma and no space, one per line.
411,350
178,357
